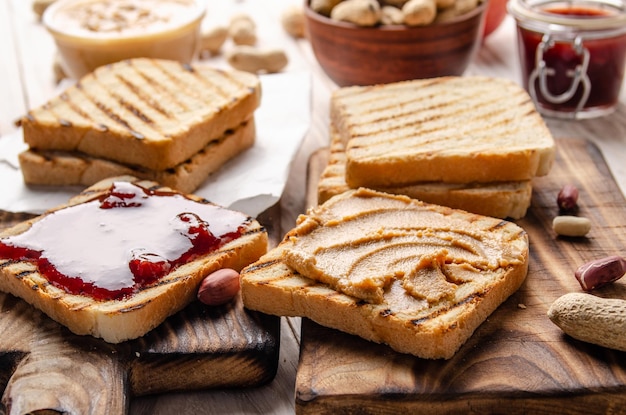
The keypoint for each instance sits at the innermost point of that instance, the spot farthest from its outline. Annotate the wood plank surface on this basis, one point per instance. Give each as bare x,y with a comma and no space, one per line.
517,362
45,367
26,79
198,348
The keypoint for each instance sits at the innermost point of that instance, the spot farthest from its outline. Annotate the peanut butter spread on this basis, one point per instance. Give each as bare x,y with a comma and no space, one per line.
124,17
364,245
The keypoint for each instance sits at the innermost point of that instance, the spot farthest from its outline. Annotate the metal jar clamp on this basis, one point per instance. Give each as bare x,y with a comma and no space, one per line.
572,54
578,74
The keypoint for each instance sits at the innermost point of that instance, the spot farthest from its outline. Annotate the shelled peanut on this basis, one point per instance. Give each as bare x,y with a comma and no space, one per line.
572,226
566,223
394,12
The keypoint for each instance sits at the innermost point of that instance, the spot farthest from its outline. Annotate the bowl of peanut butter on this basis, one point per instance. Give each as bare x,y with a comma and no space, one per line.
92,33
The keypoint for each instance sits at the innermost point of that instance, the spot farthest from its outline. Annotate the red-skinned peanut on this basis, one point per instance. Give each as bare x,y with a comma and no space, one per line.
567,198
219,287
600,272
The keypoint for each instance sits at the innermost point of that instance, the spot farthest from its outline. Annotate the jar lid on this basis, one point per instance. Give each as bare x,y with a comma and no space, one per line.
583,14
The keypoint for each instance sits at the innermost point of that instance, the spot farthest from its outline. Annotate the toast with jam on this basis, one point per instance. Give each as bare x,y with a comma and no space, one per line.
123,255
146,116
415,276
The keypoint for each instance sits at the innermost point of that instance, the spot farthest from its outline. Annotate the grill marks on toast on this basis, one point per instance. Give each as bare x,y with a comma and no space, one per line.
147,100
260,265
74,106
435,313
134,110
144,96
217,88
435,131
174,87
423,116
27,268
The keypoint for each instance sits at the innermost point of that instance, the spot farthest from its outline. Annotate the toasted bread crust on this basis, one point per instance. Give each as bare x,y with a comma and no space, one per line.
497,199
437,332
449,129
73,168
144,112
292,294
119,320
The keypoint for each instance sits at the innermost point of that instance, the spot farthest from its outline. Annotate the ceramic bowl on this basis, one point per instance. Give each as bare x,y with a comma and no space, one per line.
92,33
353,55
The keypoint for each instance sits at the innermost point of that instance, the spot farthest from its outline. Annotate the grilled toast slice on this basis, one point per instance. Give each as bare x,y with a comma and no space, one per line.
144,112
497,199
415,276
59,168
449,129
100,298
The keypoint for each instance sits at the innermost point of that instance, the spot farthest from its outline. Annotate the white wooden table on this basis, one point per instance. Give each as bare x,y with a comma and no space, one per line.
27,80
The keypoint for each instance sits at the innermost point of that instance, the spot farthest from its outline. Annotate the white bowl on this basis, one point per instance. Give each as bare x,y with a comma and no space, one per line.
92,33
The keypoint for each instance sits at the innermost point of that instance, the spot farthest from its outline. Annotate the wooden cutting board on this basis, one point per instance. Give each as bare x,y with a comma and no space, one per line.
517,362
44,367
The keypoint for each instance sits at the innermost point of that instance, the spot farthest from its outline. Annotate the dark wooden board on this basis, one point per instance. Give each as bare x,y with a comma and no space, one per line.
517,362
44,367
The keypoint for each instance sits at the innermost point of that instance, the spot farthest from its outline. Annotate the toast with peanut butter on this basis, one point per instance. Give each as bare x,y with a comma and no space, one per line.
415,276
66,168
148,113
448,129
132,254
497,199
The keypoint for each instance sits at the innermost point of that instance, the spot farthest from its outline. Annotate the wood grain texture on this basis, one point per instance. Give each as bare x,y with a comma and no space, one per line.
44,367
517,362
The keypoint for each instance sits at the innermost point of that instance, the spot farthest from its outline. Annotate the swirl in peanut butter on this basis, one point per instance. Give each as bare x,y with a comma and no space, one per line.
363,246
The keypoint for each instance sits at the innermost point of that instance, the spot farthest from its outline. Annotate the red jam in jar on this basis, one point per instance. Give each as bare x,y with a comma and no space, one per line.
572,54
127,239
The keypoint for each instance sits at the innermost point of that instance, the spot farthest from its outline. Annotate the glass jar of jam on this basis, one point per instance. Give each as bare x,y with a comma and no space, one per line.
572,54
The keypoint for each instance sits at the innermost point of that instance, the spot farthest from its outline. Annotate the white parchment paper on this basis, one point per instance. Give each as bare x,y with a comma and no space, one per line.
251,182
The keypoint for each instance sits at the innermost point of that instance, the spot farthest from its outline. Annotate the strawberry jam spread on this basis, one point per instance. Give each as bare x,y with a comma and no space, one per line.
126,239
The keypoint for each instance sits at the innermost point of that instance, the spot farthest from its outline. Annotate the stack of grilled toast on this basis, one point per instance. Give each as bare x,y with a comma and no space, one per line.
153,119
373,260
472,143
418,277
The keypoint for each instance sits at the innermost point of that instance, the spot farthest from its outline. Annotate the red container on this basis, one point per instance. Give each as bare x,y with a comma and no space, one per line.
572,54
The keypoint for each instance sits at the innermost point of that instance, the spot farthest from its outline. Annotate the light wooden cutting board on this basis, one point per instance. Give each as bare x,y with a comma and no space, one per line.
517,362
44,367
